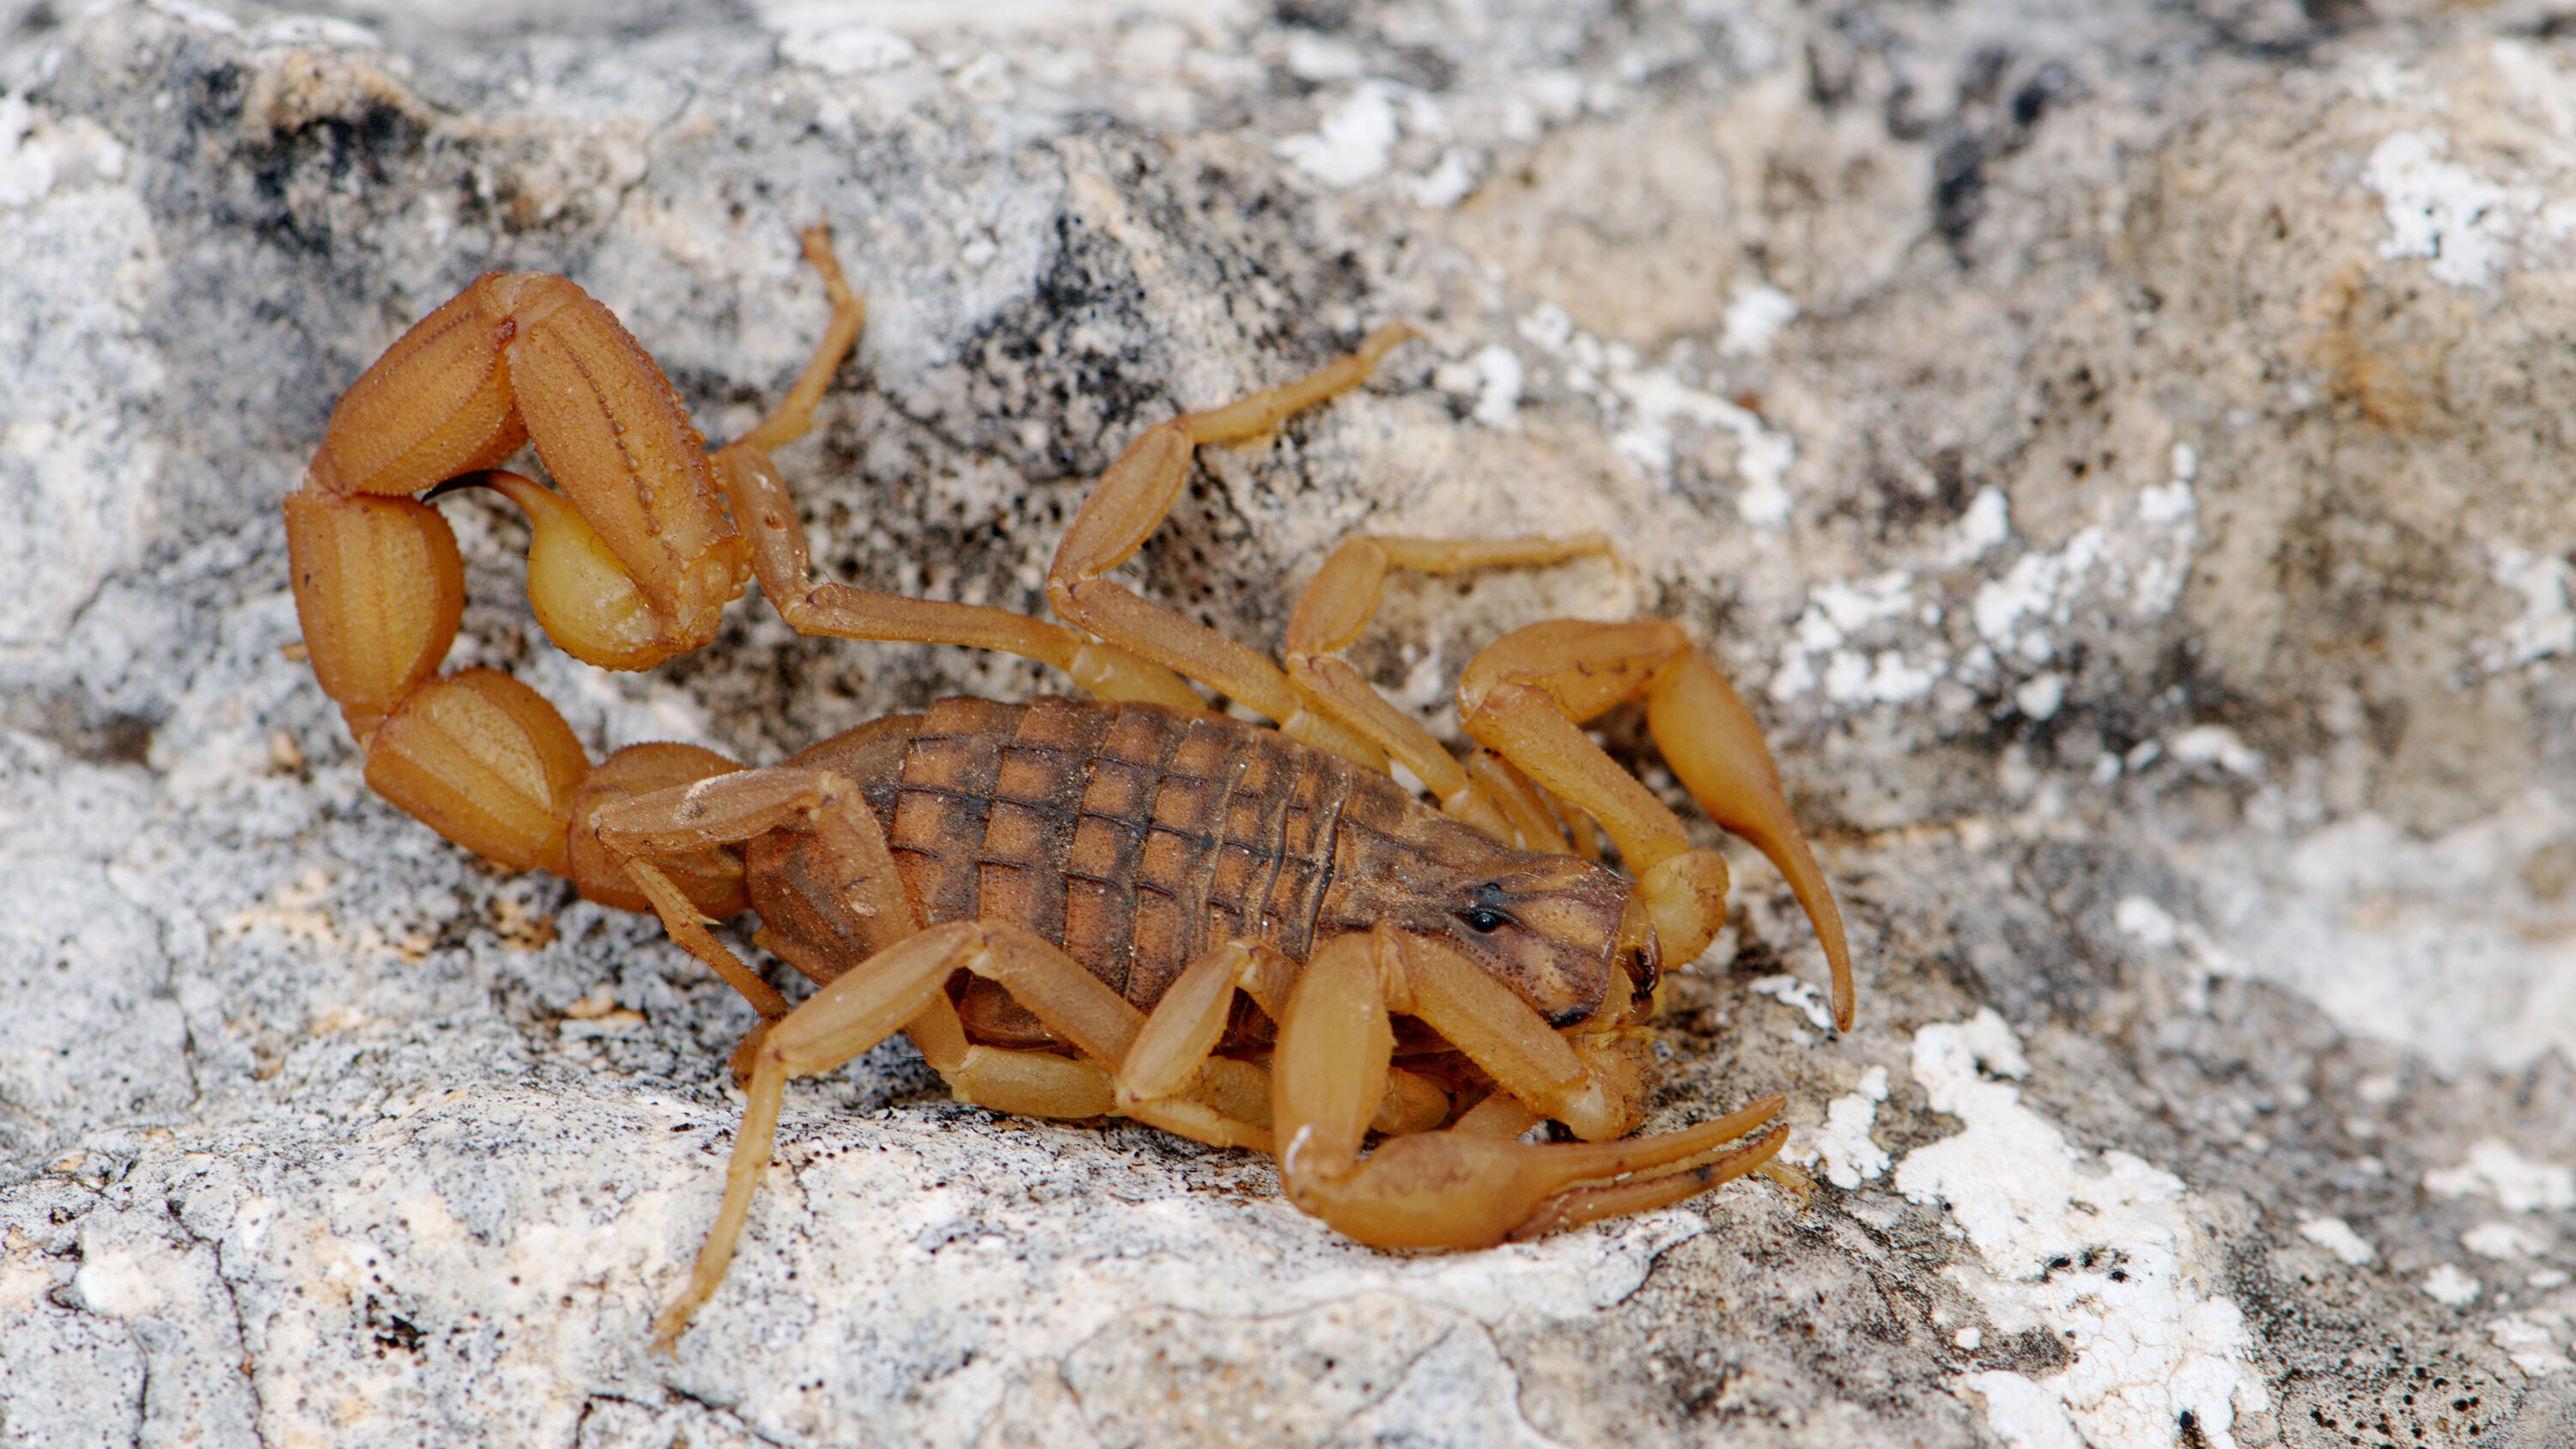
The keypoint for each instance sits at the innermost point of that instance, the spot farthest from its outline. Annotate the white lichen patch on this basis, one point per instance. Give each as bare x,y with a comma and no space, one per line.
2040,696
847,50
1820,648
1987,522
1353,141
2171,514
2147,922
1843,1142
2216,745
2534,1340
1798,995
2128,571
1643,406
2462,221
26,165
2447,1285
2014,614
1446,183
39,152
1755,313
2503,1240
1655,399
1357,140
2102,1251
2476,190
2133,569
2517,1183
2547,625
1885,677
2337,1237
1498,387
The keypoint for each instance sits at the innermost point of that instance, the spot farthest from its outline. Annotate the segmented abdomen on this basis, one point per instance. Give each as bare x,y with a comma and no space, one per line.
1134,836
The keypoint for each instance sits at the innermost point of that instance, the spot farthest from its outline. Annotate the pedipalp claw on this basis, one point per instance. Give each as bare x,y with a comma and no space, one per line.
1577,1206
1455,1190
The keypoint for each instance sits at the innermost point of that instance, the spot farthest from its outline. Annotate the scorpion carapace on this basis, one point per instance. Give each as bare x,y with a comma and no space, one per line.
1253,937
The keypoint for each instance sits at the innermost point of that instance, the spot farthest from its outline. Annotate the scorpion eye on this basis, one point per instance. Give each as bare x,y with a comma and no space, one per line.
1483,915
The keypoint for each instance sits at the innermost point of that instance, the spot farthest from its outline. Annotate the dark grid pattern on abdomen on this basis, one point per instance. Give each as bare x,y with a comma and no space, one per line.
1134,837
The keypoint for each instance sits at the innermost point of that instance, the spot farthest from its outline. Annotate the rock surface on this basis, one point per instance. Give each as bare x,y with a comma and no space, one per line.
2119,449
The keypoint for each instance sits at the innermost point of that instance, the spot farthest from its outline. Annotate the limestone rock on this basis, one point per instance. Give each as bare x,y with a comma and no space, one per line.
2120,454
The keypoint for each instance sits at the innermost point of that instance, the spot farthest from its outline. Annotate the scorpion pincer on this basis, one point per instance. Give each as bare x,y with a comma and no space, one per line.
1066,904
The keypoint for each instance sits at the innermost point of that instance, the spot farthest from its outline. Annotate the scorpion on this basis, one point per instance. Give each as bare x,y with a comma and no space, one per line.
1127,905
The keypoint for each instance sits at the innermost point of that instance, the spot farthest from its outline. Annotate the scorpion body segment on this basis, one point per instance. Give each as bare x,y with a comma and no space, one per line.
1128,905
1137,838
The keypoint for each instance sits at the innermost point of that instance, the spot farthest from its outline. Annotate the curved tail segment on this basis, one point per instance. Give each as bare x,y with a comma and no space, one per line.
634,554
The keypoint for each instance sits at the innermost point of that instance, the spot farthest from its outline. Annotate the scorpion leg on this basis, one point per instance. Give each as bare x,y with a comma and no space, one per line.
901,985
1337,605
711,877
854,1013
1169,1079
1130,502
895,989
1525,696
762,507
1523,803
648,832
1465,1188
1170,1057
1070,1000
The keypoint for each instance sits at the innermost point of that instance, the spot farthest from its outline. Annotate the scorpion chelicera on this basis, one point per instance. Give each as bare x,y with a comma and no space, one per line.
1066,904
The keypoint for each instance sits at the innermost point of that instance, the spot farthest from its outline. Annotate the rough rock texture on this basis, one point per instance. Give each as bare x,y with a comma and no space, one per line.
2120,449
